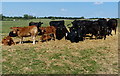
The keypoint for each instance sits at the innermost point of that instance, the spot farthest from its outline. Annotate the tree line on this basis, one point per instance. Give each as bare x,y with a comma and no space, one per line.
26,16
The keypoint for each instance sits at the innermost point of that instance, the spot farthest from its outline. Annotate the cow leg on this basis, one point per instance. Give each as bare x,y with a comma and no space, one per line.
104,37
97,36
115,31
91,36
21,40
54,37
33,39
47,37
42,38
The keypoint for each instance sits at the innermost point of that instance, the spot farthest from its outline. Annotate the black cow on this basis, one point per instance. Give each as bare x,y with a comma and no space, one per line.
104,29
88,27
75,35
61,30
94,29
81,28
38,24
112,24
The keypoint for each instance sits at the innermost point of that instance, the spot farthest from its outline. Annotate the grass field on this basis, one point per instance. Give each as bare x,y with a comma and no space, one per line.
20,23
59,56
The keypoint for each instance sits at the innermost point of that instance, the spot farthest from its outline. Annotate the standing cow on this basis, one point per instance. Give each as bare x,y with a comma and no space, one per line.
47,32
25,32
112,24
61,30
104,29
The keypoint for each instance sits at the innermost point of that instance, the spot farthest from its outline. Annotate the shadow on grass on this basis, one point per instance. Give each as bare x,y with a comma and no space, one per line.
26,42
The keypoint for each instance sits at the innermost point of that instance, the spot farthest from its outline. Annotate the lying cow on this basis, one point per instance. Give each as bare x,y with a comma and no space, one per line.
8,41
25,32
49,30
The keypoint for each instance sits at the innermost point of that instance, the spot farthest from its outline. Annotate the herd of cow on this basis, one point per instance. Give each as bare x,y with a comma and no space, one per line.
57,30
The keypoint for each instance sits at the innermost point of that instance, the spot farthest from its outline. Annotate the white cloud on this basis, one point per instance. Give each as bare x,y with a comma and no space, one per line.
98,3
63,10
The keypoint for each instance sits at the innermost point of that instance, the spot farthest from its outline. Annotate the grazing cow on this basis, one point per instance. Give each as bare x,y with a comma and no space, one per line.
49,30
112,24
61,30
75,35
81,28
25,32
77,31
87,27
8,41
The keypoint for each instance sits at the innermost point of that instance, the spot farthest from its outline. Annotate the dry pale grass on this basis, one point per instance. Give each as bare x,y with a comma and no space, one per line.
109,60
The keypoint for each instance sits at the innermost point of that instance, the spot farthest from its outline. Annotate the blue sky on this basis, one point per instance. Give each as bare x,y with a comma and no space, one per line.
67,9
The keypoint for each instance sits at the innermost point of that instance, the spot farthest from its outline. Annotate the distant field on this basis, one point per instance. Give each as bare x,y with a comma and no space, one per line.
60,56
20,23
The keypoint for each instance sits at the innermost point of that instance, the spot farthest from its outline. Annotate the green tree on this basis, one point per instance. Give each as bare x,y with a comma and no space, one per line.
26,16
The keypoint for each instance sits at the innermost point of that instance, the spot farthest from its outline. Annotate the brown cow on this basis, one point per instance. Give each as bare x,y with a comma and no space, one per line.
49,30
45,37
25,32
8,41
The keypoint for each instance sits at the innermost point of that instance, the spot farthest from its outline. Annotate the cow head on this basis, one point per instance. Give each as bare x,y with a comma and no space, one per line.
75,35
14,30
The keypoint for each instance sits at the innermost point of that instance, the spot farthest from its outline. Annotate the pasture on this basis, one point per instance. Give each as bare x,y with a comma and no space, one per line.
60,56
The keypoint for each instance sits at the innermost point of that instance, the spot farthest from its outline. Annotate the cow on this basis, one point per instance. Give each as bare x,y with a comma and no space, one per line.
38,24
81,28
112,24
25,32
49,30
104,29
46,37
61,30
75,35
8,41
87,27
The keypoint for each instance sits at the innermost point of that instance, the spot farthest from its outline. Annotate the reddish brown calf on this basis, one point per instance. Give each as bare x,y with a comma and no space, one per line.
49,30
45,37
8,41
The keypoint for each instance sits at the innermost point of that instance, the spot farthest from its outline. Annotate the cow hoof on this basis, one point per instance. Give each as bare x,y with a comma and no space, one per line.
33,43
20,43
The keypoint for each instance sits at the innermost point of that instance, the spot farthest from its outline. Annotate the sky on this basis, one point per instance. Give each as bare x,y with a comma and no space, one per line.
66,9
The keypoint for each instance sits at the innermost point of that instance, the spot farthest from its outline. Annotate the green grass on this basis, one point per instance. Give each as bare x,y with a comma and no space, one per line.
40,61
20,23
